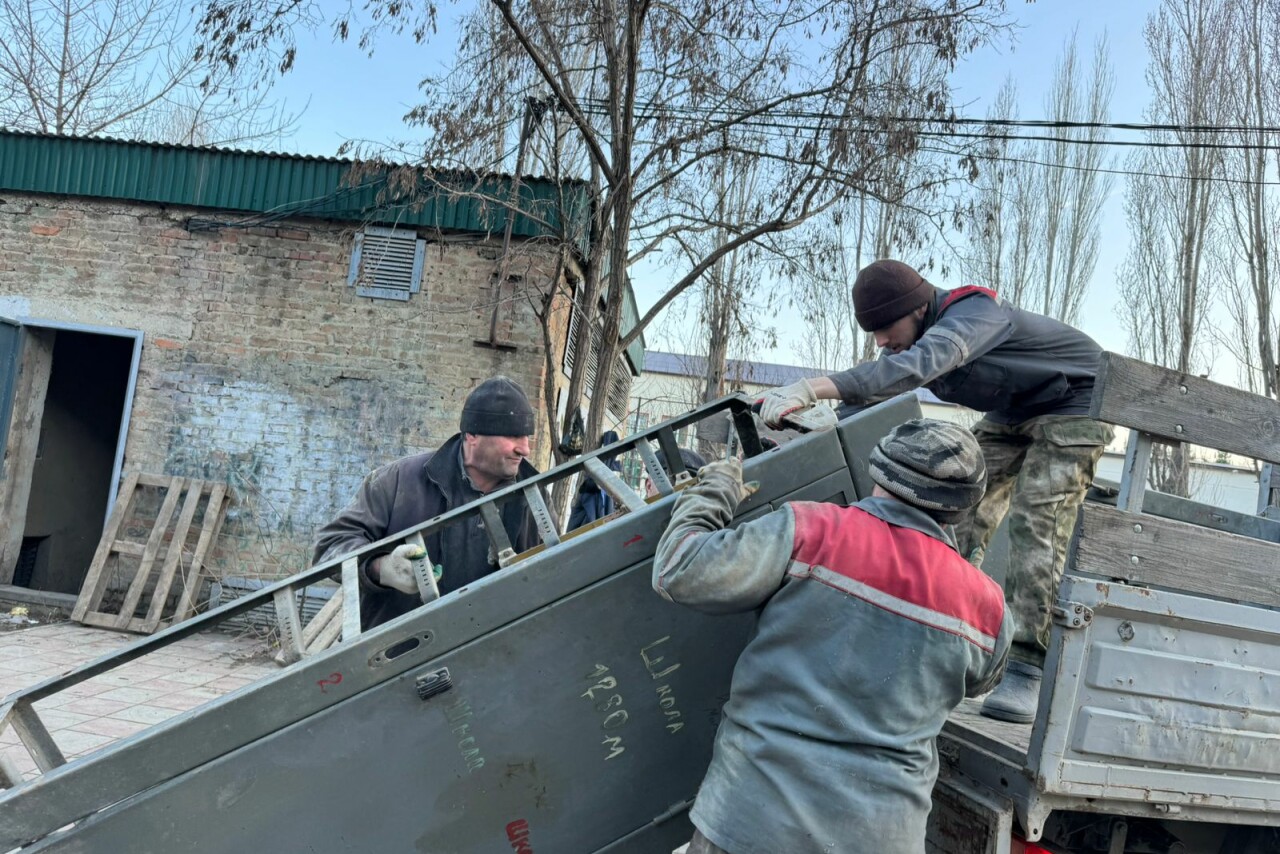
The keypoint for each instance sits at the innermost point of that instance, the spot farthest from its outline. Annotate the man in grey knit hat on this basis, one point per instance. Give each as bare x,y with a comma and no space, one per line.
489,452
1032,376
873,628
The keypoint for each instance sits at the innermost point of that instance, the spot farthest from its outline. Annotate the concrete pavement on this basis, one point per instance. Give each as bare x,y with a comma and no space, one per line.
154,688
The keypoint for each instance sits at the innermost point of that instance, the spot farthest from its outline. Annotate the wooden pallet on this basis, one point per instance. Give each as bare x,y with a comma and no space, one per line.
166,533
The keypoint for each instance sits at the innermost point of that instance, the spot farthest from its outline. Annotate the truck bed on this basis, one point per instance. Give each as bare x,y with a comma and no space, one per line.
1006,740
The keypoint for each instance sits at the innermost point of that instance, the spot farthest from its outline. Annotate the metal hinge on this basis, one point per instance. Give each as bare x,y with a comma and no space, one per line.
1073,615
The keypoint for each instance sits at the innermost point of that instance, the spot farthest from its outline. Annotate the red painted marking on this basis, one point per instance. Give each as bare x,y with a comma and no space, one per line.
637,538
334,679
518,836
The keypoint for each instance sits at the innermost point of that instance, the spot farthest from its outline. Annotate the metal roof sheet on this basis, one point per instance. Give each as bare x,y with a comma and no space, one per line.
280,185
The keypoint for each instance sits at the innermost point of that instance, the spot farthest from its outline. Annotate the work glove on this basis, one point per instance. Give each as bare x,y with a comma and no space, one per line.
722,481
395,570
780,402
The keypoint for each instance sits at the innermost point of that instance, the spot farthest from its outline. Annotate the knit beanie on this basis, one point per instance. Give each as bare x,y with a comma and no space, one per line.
885,291
497,407
934,465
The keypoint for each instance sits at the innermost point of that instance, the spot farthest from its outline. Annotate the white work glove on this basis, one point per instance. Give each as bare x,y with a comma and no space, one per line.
780,402
395,570
724,479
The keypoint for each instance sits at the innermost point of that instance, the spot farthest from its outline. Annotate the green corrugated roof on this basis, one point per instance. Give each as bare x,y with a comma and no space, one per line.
270,186
275,184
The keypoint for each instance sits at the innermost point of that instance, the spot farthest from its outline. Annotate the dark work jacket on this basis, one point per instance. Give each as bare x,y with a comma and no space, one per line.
983,353
406,493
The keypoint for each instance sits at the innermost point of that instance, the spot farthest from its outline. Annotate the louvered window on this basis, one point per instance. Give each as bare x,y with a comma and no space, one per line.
571,345
619,386
387,263
619,389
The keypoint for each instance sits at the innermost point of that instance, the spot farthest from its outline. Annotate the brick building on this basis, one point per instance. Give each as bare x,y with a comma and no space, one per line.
264,320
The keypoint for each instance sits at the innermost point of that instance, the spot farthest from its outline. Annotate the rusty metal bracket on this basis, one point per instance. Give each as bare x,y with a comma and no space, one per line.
1073,615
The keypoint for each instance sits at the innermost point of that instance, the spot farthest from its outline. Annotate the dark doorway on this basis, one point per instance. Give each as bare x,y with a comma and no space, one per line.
71,478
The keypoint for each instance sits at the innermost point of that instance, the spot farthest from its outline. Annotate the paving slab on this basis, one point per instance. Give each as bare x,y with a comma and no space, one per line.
86,717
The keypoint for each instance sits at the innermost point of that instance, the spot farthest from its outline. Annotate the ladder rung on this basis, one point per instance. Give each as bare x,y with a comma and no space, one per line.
423,572
614,485
290,626
541,516
654,468
671,450
350,598
497,533
34,736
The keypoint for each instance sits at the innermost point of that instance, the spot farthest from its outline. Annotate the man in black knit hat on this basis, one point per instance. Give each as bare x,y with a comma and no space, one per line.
1033,377
489,452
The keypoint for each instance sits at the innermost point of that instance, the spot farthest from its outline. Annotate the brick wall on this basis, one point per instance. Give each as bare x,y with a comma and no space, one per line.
260,366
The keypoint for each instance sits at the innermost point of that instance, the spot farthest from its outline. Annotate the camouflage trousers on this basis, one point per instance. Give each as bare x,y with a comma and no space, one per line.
1037,474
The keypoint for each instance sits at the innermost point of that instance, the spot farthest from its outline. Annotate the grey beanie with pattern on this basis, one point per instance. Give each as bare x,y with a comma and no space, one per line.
934,465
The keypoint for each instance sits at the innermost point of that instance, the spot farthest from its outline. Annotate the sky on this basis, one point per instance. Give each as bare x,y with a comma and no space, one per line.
350,96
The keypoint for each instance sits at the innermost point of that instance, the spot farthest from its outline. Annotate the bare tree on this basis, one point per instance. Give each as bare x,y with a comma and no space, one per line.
1008,209
1171,206
727,311
909,209
1037,205
822,294
1252,210
1073,196
657,93
124,67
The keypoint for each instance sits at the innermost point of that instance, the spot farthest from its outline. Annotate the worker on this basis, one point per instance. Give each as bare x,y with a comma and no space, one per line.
490,452
873,629
1033,378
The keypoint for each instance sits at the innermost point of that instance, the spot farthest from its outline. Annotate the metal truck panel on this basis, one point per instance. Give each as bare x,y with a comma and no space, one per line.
1163,698
541,730
578,708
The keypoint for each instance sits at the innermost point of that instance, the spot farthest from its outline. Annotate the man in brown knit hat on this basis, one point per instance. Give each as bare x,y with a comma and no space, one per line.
1033,377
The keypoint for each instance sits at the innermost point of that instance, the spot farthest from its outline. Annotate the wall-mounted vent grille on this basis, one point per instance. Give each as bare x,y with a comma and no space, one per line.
386,263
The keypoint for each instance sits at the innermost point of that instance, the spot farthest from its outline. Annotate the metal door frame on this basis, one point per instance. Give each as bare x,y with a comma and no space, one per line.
8,384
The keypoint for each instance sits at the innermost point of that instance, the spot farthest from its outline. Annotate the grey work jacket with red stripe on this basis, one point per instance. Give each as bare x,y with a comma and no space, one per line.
873,630
984,353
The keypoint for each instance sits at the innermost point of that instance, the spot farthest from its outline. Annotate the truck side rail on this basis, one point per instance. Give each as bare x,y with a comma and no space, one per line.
17,710
1162,406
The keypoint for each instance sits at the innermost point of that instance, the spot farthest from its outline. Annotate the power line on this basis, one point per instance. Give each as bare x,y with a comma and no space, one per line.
1128,143
758,123
1103,170
775,129
594,104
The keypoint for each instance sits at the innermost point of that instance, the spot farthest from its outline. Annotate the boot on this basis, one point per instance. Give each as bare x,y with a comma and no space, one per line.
1017,696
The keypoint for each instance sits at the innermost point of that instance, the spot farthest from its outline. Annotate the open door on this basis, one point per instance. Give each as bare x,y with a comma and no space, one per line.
27,378
68,389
